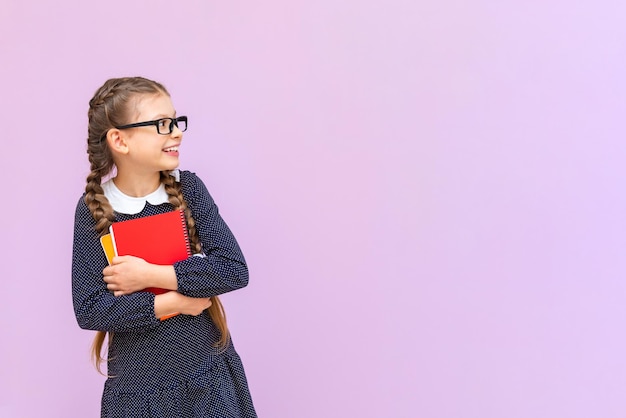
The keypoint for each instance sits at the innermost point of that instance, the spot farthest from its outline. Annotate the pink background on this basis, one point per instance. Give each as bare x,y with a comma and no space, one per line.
429,195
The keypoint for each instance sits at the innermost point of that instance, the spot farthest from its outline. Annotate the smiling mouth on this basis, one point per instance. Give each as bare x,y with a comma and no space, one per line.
171,149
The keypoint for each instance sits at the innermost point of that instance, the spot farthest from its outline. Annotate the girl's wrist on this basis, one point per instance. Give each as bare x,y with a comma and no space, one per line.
166,304
163,277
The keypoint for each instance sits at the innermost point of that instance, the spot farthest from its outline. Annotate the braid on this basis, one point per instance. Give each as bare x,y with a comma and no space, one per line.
97,202
102,212
178,201
176,198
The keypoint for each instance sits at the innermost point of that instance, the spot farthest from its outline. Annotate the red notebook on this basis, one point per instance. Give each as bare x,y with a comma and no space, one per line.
158,239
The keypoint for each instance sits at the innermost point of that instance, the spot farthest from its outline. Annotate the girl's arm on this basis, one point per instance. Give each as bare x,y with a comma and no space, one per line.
169,303
128,274
95,307
221,267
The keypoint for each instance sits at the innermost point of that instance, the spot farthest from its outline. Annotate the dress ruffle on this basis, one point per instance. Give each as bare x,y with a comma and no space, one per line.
220,390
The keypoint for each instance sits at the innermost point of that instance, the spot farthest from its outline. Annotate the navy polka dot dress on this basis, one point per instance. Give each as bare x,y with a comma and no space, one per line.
168,368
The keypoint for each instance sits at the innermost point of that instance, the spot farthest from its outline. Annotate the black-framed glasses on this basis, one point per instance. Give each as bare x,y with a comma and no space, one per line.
165,126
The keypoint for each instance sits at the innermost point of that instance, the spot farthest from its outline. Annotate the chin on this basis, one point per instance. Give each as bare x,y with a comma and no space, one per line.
171,166
174,167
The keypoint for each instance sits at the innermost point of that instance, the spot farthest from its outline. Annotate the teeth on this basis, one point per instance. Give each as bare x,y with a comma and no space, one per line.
171,149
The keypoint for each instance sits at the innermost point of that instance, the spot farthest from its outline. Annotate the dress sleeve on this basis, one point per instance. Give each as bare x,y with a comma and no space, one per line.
95,307
221,267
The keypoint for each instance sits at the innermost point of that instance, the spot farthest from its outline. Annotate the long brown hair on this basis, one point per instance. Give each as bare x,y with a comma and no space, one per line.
110,107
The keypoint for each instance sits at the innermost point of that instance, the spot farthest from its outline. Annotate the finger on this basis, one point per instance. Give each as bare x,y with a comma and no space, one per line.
123,259
119,259
110,279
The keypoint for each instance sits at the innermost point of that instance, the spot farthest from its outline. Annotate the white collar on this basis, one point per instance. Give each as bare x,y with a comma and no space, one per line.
123,203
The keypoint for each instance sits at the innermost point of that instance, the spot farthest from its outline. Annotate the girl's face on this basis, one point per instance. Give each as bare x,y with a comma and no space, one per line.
149,151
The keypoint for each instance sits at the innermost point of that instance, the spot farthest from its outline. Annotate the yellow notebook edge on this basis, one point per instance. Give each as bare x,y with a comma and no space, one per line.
107,245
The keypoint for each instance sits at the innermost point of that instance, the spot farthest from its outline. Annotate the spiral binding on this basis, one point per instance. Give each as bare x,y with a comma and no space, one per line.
185,231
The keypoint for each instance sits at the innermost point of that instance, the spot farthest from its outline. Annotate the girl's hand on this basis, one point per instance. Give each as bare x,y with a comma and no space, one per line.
170,302
193,306
127,274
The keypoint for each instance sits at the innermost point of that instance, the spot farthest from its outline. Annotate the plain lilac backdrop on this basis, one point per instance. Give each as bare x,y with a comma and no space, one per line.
429,195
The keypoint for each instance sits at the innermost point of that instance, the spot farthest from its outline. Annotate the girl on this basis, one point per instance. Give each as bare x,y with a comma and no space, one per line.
185,366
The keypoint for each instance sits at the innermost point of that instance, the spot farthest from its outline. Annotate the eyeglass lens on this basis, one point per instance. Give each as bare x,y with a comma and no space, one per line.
166,125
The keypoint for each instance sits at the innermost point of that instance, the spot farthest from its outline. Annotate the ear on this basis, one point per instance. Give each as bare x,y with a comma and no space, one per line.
117,141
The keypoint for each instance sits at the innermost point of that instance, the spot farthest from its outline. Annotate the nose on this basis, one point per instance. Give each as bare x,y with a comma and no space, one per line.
176,132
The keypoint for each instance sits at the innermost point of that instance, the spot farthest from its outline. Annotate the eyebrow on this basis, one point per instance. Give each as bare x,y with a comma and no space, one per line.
161,115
